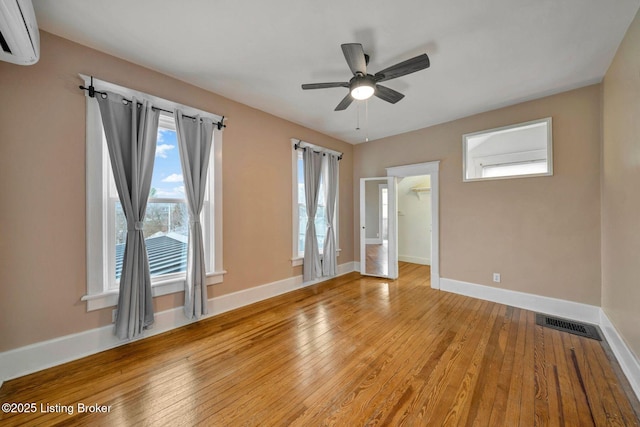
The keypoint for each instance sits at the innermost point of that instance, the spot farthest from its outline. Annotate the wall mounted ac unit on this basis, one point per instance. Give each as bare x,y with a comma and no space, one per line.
19,36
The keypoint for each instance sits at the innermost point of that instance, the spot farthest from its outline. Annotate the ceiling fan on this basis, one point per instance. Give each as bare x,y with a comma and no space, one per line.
363,85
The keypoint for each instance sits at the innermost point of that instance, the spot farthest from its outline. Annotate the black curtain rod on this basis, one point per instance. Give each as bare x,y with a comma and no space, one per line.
298,146
92,93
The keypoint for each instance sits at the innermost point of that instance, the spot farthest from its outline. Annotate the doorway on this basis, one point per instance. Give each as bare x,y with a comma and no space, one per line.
414,220
391,255
432,170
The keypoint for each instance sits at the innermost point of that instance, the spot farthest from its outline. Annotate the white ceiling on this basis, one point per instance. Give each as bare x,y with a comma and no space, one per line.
484,54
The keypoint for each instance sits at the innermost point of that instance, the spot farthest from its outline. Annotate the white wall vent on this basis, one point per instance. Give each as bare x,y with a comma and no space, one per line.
19,36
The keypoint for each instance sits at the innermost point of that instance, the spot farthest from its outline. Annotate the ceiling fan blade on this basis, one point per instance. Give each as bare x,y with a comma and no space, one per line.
346,101
388,94
354,55
324,85
403,68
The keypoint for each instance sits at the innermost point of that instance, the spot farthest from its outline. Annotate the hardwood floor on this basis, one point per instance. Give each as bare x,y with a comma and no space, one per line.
349,352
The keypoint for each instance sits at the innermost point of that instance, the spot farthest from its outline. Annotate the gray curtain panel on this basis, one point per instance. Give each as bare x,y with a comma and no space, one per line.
194,141
312,170
131,130
329,254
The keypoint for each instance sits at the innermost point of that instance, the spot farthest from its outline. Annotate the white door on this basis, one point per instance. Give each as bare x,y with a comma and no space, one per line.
378,227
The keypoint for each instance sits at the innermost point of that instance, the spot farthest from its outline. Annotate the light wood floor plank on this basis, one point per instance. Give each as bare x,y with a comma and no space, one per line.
350,351
514,389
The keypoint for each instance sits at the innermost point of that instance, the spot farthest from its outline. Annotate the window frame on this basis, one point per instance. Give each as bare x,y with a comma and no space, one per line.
297,257
100,207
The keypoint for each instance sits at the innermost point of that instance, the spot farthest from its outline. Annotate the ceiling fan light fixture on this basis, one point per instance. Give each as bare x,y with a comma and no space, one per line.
363,91
362,85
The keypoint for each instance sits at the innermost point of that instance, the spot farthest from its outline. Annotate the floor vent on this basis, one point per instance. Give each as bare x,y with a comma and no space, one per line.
564,325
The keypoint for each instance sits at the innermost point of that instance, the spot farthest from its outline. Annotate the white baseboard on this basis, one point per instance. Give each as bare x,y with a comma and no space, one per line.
239,299
414,259
556,307
626,358
373,241
35,357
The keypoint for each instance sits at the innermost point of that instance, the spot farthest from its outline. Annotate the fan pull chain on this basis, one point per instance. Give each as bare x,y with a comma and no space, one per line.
357,116
366,120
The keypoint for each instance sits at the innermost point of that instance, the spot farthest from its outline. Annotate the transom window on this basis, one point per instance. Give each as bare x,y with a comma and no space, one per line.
520,150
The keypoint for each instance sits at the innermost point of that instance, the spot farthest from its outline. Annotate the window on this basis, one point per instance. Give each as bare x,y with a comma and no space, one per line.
166,224
321,219
300,207
166,221
519,150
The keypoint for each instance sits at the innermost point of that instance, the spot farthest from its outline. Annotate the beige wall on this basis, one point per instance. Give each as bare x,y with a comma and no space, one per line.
42,190
620,190
542,234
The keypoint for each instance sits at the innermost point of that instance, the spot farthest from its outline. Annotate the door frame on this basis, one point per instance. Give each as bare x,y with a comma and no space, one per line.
433,170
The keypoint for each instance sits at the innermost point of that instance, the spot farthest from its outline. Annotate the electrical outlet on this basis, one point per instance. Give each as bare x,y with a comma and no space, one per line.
114,313
496,277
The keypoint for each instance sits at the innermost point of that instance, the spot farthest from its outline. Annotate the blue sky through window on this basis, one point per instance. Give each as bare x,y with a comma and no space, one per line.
167,173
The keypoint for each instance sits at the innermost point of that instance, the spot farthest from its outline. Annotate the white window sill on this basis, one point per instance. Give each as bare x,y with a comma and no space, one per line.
163,287
299,260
